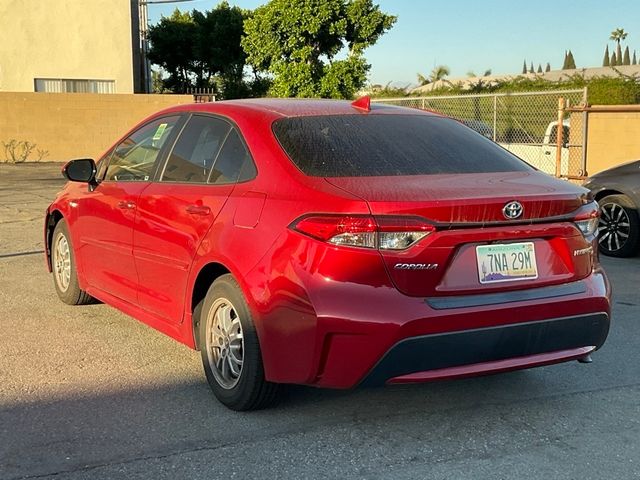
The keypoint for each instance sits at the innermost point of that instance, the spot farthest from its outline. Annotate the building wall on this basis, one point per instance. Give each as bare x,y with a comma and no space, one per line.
613,138
75,39
74,125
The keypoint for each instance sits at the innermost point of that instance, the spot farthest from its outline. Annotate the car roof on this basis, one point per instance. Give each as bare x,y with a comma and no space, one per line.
294,107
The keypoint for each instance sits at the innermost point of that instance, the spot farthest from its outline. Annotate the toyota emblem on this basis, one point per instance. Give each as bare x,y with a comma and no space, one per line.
513,210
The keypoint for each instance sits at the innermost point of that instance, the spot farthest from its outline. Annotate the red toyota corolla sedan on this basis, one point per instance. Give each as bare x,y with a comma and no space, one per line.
331,244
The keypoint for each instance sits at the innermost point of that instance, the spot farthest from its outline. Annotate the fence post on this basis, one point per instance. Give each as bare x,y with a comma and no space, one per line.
585,138
559,135
495,116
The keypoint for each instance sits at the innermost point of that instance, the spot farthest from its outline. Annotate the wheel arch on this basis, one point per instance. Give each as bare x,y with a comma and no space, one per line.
606,192
208,274
53,218
612,191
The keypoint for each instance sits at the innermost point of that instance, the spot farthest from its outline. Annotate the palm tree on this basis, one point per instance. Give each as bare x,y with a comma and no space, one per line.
439,73
486,73
617,36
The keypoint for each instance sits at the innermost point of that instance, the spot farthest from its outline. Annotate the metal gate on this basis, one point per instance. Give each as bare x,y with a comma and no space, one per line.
526,124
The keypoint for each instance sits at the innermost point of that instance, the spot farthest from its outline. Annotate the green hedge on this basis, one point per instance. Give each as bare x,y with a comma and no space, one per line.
622,90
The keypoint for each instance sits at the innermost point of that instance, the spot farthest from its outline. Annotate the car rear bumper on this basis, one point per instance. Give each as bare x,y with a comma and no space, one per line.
505,347
352,334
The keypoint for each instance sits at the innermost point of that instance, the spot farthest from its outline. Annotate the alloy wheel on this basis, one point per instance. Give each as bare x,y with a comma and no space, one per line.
614,227
225,343
62,262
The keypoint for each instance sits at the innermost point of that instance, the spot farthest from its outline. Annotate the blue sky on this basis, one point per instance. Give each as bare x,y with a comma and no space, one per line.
477,35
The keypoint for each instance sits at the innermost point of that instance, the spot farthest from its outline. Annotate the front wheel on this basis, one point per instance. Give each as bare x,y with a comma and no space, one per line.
230,350
63,264
619,228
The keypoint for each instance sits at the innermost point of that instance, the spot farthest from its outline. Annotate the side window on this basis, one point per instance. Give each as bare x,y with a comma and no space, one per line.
553,135
234,162
133,159
196,150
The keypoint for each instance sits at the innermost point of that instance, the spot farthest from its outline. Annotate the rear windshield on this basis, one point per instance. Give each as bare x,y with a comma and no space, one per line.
387,145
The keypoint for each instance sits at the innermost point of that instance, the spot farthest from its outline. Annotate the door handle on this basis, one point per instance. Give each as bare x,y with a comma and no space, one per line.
198,210
125,205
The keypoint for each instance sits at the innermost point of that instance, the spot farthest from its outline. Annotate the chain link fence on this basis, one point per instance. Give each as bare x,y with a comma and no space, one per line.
524,123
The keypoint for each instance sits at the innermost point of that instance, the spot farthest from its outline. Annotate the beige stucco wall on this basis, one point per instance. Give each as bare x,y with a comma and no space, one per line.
613,138
74,39
73,125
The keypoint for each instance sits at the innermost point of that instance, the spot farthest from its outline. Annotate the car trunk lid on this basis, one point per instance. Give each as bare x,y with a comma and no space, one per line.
468,212
455,199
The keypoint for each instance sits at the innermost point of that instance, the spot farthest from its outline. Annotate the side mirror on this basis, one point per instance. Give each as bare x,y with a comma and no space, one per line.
80,170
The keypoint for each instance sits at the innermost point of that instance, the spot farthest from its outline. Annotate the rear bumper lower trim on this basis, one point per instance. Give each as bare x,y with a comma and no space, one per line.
494,367
468,347
553,291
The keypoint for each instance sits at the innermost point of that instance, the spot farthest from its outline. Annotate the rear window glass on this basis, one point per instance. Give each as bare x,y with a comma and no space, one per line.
388,145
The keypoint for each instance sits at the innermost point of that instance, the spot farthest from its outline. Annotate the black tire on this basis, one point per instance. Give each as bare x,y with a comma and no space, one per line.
70,293
619,229
247,390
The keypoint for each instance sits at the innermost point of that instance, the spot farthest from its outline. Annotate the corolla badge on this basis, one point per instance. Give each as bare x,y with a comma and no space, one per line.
415,266
513,210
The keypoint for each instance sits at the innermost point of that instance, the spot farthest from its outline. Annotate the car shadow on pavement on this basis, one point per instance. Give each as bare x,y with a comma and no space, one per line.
87,431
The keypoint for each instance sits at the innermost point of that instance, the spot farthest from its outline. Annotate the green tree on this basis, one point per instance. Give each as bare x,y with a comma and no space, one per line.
614,60
606,61
617,36
626,60
569,62
524,66
634,61
218,49
172,47
548,67
531,70
157,82
297,42
539,69
202,50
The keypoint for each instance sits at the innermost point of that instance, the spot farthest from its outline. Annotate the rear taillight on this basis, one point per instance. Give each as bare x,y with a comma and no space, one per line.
587,220
365,231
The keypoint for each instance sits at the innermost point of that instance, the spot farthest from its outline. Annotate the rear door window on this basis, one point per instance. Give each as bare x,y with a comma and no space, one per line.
389,145
196,150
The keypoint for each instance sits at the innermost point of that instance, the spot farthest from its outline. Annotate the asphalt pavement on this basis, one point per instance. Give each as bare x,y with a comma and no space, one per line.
89,393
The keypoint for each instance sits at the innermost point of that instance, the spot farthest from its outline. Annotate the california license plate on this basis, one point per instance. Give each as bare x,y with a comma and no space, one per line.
506,262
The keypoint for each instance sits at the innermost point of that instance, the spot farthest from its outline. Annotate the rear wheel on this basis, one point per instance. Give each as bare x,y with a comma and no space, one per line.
65,277
619,228
230,350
